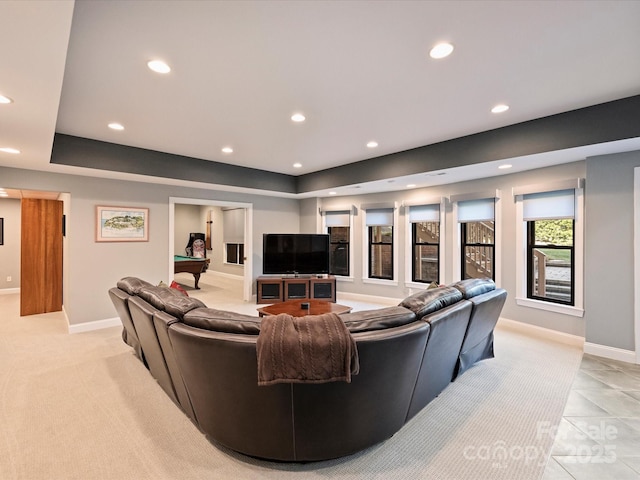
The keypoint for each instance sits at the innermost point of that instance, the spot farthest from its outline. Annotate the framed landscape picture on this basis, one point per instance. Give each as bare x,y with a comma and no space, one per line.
122,224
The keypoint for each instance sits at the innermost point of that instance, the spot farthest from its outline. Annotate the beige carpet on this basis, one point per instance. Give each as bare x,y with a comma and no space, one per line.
83,407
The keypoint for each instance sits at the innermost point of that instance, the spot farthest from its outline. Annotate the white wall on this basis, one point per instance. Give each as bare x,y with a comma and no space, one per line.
10,251
93,267
187,220
609,275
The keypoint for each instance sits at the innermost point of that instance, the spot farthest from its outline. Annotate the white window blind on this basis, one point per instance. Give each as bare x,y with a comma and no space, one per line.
337,219
233,225
549,205
424,213
476,210
379,217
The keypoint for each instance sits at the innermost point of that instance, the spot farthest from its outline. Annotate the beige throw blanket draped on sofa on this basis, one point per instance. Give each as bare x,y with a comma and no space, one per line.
311,349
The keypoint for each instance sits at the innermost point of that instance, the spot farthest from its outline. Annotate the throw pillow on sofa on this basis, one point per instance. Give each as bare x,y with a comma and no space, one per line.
428,301
472,287
177,286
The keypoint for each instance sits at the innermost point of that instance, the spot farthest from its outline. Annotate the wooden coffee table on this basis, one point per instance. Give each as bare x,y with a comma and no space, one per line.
294,308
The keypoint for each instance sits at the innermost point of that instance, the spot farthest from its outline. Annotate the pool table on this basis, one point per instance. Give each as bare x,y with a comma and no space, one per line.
193,265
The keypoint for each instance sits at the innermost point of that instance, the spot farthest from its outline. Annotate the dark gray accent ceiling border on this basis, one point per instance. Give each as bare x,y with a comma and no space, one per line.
606,122
84,152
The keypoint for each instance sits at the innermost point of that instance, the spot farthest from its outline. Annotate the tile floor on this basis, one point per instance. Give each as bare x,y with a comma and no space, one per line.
599,435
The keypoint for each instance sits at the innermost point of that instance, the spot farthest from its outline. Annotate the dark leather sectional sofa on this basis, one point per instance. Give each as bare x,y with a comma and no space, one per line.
205,360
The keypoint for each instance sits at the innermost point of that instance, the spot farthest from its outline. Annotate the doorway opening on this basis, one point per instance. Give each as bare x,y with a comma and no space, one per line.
218,250
34,246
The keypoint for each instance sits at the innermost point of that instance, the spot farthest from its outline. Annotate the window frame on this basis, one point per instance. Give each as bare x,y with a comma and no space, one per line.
371,244
464,245
415,244
347,243
531,246
239,253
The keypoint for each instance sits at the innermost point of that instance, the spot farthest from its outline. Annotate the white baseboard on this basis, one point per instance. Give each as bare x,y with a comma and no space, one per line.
8,291
97,325
612,353
536,331
224,274
360,297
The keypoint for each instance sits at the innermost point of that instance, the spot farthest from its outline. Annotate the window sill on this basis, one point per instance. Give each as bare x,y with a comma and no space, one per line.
551,307
380,281
344,279
416,285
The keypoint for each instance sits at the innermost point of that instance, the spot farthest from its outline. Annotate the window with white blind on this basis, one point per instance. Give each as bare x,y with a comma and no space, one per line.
476,218
338,225
233,235
551,239
379,224
425,235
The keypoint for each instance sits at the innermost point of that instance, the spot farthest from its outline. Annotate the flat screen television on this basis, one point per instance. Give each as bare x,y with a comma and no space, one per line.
295,253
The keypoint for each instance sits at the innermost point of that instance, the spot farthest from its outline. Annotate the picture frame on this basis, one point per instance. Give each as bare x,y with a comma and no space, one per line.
122,224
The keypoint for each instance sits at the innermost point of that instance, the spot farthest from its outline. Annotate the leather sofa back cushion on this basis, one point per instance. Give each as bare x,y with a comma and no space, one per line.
157,296
169,300
428,301
222,321
132,285
379,319
474,286
179,305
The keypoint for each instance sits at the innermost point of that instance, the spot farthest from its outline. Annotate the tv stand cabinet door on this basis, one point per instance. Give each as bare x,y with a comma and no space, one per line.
270,290
296,289
323,289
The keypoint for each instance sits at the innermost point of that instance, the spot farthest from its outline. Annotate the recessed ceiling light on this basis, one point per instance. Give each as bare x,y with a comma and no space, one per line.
297,165
159,66
116,126
5,100
9,150
372,144
333,193
411,185
227,150
298,117
505,166
441,50
500,108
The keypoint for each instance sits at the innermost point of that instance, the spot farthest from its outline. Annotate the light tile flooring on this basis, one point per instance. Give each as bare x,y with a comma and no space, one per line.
599,435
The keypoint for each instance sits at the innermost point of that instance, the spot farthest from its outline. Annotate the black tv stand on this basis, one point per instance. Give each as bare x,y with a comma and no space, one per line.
276,289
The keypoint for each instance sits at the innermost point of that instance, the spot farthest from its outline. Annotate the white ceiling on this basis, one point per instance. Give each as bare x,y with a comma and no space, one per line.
358,70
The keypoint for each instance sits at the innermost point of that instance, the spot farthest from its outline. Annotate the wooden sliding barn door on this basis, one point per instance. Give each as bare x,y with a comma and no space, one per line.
41,256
